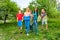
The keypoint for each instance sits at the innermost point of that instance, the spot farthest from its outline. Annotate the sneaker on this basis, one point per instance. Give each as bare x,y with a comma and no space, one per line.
20,32
27,34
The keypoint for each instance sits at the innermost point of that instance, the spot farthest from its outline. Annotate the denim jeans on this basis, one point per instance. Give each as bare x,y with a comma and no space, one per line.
35,26
27,24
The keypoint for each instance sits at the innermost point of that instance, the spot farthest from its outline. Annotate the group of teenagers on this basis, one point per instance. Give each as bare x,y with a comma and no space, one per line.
31,20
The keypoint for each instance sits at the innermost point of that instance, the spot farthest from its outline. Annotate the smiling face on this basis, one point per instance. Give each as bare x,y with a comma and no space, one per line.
35,9
19,11
43,11
27,9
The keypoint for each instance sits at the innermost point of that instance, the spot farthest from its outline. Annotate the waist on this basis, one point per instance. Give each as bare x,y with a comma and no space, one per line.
26,16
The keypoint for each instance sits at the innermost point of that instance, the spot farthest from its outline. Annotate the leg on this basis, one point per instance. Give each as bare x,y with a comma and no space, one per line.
46,24
27,26
20,26
42,23
33,26
19,29
36,27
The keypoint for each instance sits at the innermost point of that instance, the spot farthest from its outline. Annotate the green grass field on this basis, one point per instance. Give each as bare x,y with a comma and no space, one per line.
9,31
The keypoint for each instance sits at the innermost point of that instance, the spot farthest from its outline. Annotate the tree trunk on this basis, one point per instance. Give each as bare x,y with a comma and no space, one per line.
5,18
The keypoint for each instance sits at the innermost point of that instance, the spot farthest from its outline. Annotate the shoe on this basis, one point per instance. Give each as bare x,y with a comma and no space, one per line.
27,34
20,32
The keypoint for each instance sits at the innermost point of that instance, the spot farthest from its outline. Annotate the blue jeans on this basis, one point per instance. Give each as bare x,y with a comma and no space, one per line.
35,26
27,24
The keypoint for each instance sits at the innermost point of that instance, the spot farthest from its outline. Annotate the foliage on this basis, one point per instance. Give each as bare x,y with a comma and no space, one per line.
7,8
48,5
10,31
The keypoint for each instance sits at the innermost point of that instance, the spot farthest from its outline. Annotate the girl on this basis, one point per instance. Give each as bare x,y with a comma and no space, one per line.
44,18
19,20
27,16
35,16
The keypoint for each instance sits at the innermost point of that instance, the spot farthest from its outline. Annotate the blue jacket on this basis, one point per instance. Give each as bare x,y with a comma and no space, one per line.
35,14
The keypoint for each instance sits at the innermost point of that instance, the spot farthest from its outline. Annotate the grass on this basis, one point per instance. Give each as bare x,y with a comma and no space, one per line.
9,31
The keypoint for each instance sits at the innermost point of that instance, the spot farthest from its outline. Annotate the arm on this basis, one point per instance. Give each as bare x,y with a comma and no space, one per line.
17,19
31,15
42,15
22,16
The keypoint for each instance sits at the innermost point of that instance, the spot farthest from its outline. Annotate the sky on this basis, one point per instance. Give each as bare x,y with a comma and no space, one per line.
24,3
58,1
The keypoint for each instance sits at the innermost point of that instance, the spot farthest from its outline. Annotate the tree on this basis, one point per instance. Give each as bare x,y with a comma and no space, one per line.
58,6
48,5
7,7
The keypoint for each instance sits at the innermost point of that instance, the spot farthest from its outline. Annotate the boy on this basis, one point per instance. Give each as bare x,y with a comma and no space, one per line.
19,18
44,18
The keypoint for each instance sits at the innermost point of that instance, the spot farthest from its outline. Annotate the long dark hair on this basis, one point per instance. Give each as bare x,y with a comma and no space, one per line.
36,10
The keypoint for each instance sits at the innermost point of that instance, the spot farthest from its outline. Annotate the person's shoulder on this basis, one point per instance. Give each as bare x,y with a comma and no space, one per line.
22,14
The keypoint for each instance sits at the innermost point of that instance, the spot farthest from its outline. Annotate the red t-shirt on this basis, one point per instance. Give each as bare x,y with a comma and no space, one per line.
19,16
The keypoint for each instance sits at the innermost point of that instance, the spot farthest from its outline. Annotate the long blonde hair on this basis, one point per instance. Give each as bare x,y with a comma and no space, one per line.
28,10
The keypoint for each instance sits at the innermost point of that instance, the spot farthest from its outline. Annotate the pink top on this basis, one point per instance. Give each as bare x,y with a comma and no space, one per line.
27,13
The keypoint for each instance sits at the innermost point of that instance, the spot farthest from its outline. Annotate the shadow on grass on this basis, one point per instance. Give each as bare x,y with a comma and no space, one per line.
8,25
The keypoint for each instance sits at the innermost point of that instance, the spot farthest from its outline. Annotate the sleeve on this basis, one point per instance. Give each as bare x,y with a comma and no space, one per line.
22,15
33,13
41,15
17,17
